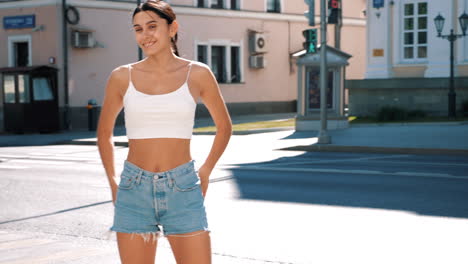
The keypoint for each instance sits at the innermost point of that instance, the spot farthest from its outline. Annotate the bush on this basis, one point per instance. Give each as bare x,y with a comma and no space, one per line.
416,114
465,108
392,113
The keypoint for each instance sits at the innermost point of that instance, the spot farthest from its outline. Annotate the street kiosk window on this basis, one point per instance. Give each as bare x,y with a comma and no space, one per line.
9,84
42,91
23,88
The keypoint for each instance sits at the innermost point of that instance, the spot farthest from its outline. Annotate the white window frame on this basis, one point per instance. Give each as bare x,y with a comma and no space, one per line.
227,55
415,45
227,4
265,4
11,42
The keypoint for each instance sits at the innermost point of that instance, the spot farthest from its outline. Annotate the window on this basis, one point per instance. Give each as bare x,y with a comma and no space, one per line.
217,3
415,31
273,6
19,51
23,88
9,84
225,61
202,51
42,90
220,4
218,63
235,65
235,4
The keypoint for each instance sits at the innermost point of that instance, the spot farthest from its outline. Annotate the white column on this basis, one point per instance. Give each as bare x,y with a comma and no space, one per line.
378,38
300,90
462,44
439,49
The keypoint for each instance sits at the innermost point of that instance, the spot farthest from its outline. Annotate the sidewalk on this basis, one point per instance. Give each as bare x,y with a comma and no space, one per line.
408,138
413,138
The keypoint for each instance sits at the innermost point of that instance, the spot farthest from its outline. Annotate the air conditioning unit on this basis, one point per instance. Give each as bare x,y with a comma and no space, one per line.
257,61
83,39
257,43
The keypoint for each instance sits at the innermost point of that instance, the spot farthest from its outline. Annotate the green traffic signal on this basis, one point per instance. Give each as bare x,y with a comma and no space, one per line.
310,45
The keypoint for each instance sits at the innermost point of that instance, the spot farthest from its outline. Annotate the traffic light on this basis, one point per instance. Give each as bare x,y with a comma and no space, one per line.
310,45
334,11
310,14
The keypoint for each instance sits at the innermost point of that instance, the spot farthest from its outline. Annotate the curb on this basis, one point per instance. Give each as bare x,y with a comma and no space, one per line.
249,132
448,123
381,150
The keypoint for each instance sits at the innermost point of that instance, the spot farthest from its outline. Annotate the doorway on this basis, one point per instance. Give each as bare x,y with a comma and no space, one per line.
19,51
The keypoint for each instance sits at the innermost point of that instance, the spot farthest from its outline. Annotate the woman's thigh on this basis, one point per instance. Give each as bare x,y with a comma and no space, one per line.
133,249
191,248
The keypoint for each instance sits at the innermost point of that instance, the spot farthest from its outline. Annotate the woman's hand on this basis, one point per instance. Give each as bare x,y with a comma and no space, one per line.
114,190
204,174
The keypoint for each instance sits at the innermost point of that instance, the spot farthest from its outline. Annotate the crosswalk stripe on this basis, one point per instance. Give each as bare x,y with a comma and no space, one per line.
12,167
24,243
58,256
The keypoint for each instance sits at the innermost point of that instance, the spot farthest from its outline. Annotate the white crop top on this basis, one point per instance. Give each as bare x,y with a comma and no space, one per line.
169,115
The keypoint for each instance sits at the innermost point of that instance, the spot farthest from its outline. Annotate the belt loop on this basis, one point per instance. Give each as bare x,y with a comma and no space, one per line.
170,179
138,179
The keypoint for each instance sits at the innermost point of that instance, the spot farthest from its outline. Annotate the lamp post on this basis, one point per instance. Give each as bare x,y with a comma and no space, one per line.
439,24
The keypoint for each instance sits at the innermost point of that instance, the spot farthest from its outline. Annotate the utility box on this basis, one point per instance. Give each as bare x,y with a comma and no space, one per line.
30,100
308,89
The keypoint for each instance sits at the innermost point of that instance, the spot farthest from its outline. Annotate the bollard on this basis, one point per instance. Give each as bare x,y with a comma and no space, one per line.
92,114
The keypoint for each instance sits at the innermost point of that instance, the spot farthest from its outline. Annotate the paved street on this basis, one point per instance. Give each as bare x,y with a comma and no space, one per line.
265,205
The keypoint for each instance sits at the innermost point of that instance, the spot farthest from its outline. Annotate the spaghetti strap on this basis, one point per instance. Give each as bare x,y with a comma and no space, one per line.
129,73
188,73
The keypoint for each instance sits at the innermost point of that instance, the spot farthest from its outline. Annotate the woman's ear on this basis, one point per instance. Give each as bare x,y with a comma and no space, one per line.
174,27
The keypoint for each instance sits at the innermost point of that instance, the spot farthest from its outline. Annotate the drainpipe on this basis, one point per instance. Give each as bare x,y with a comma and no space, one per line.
140,52
65,65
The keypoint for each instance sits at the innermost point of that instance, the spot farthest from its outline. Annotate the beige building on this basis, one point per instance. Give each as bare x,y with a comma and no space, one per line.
408,64
254,76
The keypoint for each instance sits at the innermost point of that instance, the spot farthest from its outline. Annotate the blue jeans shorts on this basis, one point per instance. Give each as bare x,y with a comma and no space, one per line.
150,201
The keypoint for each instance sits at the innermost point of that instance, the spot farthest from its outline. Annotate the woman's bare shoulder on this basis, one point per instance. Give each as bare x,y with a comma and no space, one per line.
120,73
119,79
200,71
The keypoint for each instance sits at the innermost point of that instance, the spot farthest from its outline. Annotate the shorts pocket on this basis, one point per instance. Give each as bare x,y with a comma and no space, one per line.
186,182
126,181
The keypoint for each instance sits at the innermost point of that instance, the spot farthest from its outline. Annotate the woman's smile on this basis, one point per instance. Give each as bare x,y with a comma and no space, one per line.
149,44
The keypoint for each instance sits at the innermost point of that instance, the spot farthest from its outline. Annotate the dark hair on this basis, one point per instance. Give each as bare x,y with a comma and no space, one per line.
163,10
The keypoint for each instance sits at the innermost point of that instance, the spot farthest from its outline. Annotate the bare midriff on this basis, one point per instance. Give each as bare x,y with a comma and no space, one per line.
159,154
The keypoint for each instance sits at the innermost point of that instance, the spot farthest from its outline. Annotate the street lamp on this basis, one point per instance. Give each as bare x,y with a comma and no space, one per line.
439,22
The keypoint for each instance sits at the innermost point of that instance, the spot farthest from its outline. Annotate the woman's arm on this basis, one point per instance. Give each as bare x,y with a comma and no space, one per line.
214,102
112,105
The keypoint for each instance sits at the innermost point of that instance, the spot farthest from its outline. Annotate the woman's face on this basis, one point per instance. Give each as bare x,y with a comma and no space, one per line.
152,32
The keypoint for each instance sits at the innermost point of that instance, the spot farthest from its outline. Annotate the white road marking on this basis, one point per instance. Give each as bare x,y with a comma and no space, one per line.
48,162
58,256
12,167
24,243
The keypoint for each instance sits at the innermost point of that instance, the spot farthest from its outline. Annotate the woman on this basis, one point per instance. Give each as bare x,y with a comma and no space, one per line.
158,187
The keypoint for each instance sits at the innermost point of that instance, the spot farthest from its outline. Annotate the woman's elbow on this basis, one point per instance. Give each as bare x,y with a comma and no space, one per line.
104,135
225,128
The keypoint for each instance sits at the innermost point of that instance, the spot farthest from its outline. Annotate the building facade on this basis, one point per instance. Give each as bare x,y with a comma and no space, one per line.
255,76
408,65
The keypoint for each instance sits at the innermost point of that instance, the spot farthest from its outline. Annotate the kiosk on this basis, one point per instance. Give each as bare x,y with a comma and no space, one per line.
308,89
30,100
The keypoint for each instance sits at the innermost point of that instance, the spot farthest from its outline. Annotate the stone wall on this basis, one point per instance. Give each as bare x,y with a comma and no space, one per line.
366,97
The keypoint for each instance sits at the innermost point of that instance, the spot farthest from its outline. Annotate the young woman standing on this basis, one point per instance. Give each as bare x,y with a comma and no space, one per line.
159,190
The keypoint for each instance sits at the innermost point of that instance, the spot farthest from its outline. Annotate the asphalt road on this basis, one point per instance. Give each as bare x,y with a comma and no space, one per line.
264,206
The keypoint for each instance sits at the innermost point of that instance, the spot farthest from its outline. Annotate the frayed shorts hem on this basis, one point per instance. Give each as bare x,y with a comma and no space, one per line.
146,235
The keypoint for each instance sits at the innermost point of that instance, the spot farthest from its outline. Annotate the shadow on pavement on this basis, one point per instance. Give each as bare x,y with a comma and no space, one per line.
65,137
433,196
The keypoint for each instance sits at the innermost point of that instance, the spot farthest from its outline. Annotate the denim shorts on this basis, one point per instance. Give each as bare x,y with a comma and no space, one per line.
159,203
